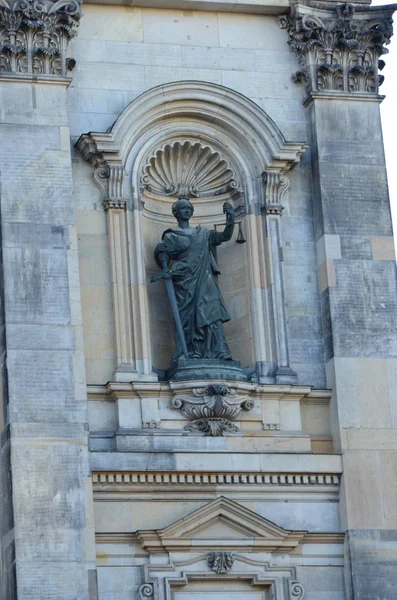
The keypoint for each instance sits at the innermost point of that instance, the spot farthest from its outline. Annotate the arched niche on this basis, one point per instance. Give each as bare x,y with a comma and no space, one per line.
200,168
230,125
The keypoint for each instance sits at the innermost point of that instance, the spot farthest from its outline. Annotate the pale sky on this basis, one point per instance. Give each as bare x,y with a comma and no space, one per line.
389,115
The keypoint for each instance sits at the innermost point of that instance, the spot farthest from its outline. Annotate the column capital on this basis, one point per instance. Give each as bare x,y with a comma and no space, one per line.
34,35
109,179
338,47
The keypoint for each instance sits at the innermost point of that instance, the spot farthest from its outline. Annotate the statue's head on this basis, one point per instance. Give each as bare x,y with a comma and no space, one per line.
182,207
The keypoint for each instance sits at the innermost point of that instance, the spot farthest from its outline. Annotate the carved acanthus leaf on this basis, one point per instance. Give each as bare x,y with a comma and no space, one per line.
220,562
188,168
212,409
34,35
339,50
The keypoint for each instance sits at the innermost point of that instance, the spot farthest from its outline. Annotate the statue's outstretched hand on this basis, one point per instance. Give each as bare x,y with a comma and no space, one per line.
229,211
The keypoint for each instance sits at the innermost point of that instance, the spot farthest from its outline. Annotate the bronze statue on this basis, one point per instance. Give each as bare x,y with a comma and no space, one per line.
195,295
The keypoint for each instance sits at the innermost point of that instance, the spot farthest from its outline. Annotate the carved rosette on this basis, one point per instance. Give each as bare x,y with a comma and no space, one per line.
34,35
339,50
187,168
220,562
212,409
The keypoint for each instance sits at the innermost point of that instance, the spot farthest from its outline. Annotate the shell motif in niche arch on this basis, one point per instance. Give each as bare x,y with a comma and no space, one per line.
188,168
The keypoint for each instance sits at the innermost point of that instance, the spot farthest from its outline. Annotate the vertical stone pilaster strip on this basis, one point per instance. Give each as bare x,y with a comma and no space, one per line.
139,294
110,180
257,284
357,271
276,186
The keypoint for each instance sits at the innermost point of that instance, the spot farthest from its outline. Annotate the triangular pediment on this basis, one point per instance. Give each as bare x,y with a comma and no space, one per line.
224,522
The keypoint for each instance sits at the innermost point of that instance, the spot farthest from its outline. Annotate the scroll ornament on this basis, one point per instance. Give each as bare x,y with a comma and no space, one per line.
211,409
339,51
146,590
34,35
297,590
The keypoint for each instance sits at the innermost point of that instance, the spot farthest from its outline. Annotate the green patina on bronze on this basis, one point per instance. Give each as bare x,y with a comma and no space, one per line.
200,305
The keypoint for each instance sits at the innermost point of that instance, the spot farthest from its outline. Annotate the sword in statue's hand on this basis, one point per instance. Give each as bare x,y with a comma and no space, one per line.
166,274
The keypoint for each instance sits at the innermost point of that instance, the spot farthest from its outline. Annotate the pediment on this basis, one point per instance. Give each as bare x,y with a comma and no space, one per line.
225,523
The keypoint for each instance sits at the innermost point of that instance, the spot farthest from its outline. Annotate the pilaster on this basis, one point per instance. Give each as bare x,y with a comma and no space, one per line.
276,186
110,180
338,50
47,538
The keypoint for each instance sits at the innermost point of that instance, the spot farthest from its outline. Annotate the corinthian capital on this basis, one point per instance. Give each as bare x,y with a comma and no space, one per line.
339,47
34,35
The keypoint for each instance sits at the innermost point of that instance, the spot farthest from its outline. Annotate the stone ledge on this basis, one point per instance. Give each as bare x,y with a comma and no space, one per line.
265,7
42,79
199,462
343,96
132,538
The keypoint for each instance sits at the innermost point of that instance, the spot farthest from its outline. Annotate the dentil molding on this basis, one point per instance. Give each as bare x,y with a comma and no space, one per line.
34,35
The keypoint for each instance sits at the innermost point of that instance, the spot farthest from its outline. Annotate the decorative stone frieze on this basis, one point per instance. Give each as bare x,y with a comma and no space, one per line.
339,48
212,408
209,479
220,562
187,168
34,35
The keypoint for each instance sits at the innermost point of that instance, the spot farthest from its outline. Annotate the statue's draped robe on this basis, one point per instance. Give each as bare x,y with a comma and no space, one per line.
201,306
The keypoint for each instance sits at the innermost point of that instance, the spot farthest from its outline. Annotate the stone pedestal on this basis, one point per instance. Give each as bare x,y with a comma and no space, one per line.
203,369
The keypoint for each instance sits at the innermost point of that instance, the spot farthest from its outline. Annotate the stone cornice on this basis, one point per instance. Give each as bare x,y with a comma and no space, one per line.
265,7
34,35
132,538
338,46
113,390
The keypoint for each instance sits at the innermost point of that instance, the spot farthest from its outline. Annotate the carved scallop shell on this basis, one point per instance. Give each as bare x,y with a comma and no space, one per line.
185,168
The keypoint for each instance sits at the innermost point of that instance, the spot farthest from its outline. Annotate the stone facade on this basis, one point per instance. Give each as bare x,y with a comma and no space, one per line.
115,481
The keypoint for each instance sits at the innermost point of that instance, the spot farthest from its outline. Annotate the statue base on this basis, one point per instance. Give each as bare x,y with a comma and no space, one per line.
205,368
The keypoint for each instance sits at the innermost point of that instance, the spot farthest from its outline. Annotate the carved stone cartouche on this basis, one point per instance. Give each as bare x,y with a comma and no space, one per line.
212,409
220,562
338,50
34,35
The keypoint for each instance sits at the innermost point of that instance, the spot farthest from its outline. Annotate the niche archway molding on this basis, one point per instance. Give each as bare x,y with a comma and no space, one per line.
250,141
